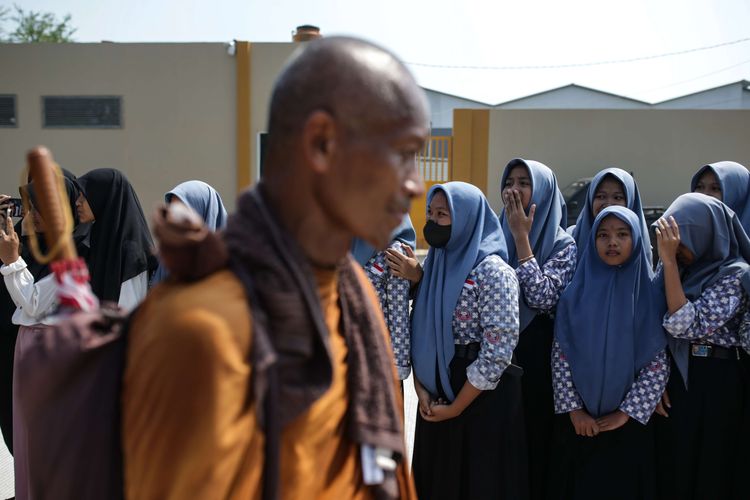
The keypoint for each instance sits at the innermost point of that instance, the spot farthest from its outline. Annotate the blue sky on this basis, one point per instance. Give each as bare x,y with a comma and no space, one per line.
468,33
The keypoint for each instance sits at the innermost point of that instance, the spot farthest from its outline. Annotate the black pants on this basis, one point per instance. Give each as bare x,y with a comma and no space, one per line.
616,465
702,448
7,347
533,354
479,454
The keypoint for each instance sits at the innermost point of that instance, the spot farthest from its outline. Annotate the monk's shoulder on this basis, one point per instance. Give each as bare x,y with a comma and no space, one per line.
219,291
214,309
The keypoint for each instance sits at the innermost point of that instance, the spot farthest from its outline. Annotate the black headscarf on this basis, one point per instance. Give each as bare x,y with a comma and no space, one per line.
120,241
80,231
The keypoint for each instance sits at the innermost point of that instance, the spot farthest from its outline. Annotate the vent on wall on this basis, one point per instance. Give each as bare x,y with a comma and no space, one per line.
8,111
82,112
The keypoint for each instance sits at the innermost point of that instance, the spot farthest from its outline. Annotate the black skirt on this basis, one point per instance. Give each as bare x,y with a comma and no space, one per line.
533,354
8,334
616,465
703,448
479,454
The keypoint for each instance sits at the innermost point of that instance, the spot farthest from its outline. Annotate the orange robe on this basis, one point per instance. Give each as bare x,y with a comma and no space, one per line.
189,428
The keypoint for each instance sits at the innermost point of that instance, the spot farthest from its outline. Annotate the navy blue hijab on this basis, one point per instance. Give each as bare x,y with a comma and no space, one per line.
632,201
547,236
714,234
363,251
475,234
735,187
609,320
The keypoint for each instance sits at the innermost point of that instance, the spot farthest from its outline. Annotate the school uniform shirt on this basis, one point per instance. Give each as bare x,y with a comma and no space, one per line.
487,312
640,401
542,286
715,317
393,293
133,291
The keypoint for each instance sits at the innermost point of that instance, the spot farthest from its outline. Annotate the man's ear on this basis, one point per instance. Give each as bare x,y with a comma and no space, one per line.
319,141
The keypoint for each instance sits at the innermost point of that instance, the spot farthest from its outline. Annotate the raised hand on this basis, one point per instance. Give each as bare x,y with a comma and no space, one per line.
667,239
404,266
519,222
8,242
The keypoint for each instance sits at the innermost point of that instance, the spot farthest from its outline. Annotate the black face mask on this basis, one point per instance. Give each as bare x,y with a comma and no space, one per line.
437,236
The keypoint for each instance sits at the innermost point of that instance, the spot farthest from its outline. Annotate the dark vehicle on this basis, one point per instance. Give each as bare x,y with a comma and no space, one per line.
575,199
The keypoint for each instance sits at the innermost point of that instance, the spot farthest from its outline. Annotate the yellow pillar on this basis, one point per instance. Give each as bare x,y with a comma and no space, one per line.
471,139
244,143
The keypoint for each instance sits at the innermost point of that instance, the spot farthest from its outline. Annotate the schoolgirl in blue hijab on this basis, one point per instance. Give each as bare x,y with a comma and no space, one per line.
469,438
544,257
609,365
393,291
624,192
729,182
404,233
205,201
705,276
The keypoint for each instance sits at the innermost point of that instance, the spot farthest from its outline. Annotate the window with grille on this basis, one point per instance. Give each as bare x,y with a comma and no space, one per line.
8,111
82,112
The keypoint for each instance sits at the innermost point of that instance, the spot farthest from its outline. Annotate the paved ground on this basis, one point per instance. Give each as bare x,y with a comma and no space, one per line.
6,472
410,413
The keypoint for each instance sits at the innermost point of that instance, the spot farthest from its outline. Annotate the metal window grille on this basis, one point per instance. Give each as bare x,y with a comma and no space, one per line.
82,112
8,111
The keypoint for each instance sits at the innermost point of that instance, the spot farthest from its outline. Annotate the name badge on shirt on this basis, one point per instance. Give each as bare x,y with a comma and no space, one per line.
470,284
377,269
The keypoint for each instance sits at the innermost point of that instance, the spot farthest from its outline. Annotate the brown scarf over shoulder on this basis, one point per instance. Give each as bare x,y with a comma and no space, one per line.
291,352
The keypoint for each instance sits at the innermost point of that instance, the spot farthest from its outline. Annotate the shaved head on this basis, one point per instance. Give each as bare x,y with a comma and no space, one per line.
347,121
363,86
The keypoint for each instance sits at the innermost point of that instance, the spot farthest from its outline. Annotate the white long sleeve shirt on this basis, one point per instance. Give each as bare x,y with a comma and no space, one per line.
35,301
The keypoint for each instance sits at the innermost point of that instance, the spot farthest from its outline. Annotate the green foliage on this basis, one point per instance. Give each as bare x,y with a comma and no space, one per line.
3,16
34,27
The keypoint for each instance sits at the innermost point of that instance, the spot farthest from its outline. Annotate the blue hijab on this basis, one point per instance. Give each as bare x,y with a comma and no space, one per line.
632,201
206,201
714,234
547,236
363,251
735,187
475,234
609,320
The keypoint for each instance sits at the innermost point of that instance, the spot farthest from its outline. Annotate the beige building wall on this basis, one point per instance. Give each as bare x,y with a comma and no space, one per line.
663,148
178,112
267,60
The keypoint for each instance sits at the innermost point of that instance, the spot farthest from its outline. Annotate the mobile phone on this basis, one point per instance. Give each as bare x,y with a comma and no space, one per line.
15,207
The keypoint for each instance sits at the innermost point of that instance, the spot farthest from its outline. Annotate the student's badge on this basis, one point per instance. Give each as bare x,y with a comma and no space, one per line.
470,284
377,269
